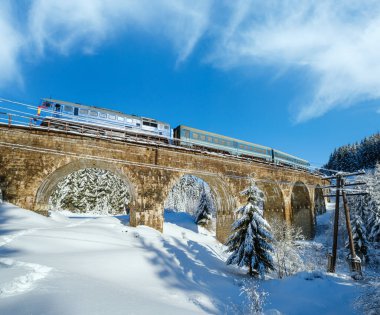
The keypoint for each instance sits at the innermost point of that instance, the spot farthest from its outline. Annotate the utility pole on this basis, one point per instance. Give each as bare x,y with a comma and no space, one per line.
354,261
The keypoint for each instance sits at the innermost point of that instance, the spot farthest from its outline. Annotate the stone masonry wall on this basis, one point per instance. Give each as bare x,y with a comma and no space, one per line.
33,161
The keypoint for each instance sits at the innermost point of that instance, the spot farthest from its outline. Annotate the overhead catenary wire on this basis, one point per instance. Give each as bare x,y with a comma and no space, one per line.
240,158
96,120
29,116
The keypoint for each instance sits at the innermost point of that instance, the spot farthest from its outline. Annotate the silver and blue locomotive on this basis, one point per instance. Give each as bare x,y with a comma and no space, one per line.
61,114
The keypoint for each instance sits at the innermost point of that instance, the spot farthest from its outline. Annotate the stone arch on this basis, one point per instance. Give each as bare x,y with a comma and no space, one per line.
274,203
301,205
224,201
319,201
51,181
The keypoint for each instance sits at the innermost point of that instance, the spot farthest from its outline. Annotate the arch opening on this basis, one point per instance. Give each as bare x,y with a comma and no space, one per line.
189,195
319,201
301,210
93,191
102,174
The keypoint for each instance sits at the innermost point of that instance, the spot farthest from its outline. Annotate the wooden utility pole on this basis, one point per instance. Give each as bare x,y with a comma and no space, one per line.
354,261
348,225
332,260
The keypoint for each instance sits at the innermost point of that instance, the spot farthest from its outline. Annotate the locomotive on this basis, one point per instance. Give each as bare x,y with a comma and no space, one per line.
62,114
73,116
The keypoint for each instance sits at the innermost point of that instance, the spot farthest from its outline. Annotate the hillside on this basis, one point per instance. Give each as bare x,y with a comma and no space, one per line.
100,265
352,157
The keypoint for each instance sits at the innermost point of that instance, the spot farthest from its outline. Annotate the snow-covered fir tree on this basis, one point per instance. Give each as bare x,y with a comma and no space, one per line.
250,241
91,190
365,215
363,155
186,195
374,217
203,215
359,235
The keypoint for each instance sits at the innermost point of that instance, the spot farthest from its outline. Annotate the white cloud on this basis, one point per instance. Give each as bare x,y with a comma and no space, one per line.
67,25
334,44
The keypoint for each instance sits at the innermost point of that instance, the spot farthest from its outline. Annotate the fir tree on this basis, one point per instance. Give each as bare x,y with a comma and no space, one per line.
356,156
203,215
374,192
186,193
250,241
91,190
359,235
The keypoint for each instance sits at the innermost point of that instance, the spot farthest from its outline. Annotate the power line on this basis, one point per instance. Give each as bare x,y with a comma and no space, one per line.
142,143
93,120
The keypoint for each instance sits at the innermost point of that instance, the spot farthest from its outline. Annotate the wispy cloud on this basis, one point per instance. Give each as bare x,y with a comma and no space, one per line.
334,44
67,25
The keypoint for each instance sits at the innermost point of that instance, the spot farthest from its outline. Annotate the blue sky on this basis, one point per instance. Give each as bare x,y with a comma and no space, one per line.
299,76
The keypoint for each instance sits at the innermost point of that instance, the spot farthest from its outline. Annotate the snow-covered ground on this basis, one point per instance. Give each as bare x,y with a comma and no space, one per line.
100,265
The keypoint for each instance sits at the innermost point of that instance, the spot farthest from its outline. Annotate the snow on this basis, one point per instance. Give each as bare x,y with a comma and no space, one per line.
70,264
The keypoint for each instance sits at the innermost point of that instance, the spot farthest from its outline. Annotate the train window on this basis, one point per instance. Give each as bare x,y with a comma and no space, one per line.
119,118
110,116
209,139
83,111
186,133
203,137
151,124
102,115
166,127
68,108
93,113
46,104
241,146
129,120
195,135
138,124
215,140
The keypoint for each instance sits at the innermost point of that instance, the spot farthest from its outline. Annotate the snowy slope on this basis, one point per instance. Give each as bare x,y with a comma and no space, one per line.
98,265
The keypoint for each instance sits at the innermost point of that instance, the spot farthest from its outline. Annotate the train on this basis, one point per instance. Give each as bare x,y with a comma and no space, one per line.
67,115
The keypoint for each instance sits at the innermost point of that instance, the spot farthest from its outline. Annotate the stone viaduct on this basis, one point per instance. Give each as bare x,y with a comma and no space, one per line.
33,161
